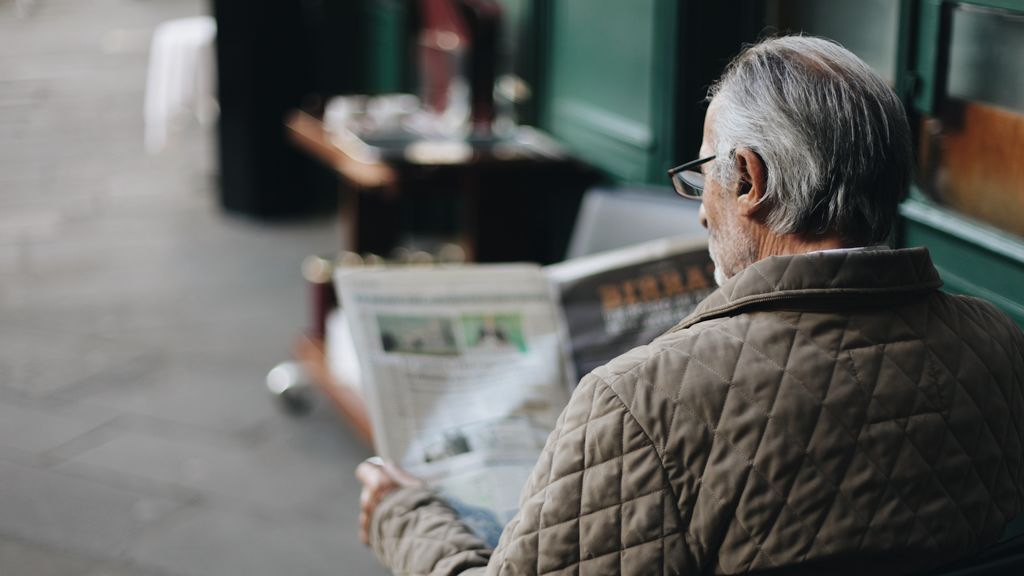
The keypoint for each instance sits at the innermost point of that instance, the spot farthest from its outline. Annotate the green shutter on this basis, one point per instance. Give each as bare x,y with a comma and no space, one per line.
609,83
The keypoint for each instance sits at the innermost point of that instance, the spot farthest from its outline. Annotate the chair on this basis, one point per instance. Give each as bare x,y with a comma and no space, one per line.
612,218
1004,557
181,77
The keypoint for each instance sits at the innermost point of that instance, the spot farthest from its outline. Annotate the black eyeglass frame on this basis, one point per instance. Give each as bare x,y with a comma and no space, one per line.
689,183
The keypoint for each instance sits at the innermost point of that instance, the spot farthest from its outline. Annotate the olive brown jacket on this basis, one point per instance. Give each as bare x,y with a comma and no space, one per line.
831,412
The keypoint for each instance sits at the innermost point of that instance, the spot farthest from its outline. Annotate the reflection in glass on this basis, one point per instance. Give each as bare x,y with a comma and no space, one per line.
972,153
868,28
986,59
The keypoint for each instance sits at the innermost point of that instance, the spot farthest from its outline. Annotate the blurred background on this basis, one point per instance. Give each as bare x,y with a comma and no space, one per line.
179,177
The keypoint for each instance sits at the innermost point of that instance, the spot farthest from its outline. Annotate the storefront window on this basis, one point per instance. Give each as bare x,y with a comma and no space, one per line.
972,150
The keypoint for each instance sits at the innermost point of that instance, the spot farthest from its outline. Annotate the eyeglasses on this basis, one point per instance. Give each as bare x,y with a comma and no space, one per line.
689,183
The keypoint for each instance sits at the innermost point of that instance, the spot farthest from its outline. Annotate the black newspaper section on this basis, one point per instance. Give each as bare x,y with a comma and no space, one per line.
611,312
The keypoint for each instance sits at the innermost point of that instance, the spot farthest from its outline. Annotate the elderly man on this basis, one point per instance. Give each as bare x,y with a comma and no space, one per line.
826,410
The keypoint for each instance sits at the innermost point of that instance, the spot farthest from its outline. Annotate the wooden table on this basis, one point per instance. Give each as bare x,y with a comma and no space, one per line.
507,199
347,401
517,200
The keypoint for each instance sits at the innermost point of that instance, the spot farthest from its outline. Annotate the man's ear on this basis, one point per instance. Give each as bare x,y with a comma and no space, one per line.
753,181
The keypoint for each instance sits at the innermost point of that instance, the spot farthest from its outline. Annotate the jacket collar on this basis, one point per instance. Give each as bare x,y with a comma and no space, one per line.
837,277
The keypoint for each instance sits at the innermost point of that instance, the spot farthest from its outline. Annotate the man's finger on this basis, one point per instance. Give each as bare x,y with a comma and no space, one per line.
378,478
369,474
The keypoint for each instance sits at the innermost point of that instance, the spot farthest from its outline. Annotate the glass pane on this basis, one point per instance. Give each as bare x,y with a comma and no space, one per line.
986,60
868,28
972,154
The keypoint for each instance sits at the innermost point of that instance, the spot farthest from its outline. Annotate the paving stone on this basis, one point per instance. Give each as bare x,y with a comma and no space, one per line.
209,541
35,430
139,320
210,394
12,259
40,362
65,511
24,559
19,558
264,478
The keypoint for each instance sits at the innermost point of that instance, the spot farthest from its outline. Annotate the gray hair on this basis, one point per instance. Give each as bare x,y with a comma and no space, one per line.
832,134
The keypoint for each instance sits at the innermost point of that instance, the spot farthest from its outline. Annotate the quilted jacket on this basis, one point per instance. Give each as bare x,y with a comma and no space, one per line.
828,413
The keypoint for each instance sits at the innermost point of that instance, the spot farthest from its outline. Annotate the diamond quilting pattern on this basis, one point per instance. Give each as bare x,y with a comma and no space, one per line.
888,451
770,429
614,517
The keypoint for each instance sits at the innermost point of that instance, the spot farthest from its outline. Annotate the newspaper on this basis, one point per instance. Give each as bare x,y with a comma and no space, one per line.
464,376
465,370
614,301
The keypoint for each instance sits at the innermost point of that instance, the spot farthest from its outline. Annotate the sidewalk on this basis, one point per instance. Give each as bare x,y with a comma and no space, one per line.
137,323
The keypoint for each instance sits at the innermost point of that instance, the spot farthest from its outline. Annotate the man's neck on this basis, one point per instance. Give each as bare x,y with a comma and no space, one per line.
791,244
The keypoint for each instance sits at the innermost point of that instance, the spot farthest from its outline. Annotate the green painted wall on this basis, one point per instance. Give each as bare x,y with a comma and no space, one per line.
388,53
972,258
609,83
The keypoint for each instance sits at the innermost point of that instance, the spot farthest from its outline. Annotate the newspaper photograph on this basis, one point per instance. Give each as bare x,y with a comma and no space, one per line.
464,375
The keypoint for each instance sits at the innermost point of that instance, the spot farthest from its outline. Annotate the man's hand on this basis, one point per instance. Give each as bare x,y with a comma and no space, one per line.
379,478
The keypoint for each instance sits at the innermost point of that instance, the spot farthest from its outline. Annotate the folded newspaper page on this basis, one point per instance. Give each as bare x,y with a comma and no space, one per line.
465,370
464,376
618,300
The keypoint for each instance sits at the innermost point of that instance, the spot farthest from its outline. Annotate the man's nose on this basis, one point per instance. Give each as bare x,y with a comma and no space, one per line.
702,216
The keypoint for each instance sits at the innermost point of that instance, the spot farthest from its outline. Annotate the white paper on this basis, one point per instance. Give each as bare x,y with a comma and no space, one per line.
463,372
342,358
